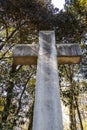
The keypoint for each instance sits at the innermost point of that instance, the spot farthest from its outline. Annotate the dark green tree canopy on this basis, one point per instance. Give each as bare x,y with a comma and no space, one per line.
20,23
67,24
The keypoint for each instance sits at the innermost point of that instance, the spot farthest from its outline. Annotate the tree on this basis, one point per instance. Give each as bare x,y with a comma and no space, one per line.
20,22
70,92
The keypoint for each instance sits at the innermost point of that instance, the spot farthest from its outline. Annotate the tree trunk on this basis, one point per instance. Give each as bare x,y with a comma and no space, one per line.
79,115
72,105
8,101
31,117
72,117
9,95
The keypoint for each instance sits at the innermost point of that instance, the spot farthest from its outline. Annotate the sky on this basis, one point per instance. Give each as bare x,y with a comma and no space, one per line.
58,3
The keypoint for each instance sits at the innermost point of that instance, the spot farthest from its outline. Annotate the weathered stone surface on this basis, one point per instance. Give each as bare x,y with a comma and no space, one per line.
68,50
26,54
69,53
47,107
26,50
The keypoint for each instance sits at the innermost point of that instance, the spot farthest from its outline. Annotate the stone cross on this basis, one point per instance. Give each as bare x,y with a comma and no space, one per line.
47,55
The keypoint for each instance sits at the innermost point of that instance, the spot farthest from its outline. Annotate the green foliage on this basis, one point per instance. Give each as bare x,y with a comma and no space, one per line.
20,22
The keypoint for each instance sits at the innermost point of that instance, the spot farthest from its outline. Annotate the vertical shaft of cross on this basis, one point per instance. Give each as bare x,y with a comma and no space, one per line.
47,107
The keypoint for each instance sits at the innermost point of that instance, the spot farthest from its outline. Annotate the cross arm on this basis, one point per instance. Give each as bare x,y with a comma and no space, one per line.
69,53
26,54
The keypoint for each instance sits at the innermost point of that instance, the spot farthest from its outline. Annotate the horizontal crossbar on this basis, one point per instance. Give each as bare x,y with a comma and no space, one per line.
26,54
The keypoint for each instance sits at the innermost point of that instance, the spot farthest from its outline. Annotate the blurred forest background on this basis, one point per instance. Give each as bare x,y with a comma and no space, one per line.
20,23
